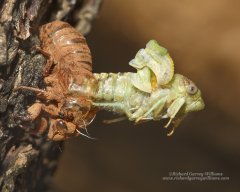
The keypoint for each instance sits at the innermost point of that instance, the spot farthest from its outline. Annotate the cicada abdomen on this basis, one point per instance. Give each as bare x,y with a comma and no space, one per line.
68,49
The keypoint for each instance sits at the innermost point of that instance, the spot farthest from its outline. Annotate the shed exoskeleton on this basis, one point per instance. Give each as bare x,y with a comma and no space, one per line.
68,60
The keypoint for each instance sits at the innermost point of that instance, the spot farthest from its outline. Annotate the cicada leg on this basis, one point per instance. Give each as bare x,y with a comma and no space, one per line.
174,109
47,67
39,92
39,49
49,63
175,125
32,112
33,89
114,120
157,108
52,110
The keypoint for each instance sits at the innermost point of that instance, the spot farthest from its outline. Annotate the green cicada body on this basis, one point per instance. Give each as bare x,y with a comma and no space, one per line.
154,92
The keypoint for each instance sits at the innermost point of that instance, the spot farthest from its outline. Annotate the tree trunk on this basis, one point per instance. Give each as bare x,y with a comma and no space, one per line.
27,161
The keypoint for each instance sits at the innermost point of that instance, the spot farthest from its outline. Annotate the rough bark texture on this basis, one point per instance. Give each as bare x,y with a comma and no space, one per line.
28,161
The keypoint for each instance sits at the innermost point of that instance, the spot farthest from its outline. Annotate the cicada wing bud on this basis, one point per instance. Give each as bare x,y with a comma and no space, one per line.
138,62
142,80
156,58
155,47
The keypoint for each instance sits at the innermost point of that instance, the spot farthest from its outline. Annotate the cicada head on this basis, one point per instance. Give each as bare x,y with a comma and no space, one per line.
60,130
182,87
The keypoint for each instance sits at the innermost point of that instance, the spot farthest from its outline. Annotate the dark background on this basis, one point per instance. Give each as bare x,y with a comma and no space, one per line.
203,38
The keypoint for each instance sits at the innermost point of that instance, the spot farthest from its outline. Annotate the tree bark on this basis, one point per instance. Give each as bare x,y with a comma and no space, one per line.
27,161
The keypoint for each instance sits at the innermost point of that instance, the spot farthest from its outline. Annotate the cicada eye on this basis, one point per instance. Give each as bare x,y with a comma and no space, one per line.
192,89
61,124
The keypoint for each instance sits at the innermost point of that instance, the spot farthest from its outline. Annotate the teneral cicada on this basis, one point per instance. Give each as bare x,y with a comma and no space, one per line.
73,93
154,92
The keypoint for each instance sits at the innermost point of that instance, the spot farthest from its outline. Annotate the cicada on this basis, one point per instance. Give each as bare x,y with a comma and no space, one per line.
154,92
73,94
